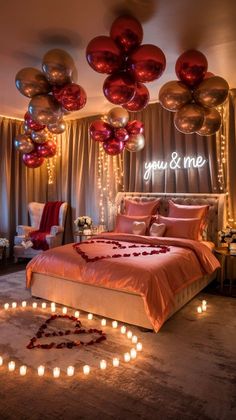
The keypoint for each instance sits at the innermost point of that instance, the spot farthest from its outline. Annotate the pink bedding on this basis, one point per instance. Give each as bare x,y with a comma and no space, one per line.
157,278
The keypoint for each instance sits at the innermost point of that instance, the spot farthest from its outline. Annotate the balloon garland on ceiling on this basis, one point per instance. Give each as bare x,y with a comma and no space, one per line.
52,94
195,96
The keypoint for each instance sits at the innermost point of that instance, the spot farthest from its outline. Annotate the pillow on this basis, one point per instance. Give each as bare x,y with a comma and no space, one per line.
124,224
157,229
141,208
139,228
181,228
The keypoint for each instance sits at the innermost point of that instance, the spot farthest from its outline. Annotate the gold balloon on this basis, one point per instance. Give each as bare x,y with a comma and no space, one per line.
173,95
24,144
57,128
39,136
31,82
59,67
211,92
211,123
189,118
135,143
118,117
45,109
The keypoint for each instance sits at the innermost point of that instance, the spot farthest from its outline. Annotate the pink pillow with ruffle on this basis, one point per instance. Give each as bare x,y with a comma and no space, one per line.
124,224
181,228
141,208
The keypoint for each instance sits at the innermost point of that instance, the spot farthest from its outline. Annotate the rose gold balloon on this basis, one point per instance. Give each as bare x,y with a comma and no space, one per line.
24,144
211,92
31,82
57,128
211,123
189,118
173,95
44,109
59,67
39,136
135,143
118,117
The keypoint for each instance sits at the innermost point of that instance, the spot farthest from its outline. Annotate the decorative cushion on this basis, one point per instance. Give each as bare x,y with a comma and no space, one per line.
140,208
139,228
181,228
157,229
124,224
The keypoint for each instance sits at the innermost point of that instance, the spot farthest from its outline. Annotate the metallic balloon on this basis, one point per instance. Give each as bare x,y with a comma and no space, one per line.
57,128
135,127
45,109
24,144
191,67
27,130
211,123
147,63
189,118
135,143
72,97
173,95
100,130
59,67
39,136
33,125
113,147
32,160
47,149
103,55
121,134
119,88
31,82
118,117
127,32
140,99
211,92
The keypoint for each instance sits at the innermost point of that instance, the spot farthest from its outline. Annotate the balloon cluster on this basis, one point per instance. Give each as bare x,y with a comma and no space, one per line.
52,94
118,133
194,97
128,63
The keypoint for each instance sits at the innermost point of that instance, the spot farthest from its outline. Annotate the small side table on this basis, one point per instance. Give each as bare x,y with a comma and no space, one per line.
3,253
227,261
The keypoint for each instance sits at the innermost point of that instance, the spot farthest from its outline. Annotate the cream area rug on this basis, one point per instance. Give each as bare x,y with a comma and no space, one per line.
186,371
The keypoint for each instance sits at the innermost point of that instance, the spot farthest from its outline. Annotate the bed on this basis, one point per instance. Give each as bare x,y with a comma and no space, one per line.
88,288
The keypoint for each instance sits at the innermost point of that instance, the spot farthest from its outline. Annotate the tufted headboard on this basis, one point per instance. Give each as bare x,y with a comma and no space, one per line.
216,203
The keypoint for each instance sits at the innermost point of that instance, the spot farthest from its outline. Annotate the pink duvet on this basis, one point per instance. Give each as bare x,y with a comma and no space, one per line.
157,278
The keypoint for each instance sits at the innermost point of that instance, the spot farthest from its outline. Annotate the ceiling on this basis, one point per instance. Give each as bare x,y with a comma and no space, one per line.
28,29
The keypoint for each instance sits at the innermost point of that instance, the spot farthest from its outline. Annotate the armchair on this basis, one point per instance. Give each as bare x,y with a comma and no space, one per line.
53,239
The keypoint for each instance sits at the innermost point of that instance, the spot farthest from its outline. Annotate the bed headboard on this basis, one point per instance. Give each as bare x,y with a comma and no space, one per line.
216,203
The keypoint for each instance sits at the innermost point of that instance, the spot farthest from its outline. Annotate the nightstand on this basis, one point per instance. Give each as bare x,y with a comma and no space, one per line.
3,253
228,266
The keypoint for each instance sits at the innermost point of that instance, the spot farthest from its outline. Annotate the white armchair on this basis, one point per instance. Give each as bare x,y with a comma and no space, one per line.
53,239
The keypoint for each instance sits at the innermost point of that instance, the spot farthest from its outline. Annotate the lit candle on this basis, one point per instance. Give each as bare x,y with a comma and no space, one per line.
11,366
64,310
133,353
115,362
103,322
44,305
34,305
126,357
114,324
123,329
6,306
103,364
1,361
53,304
41,370
134,339
23,304
70,370
199,309
129,334
139,346
90,316
77,314
14,305
204,302
53,307
86,369
56,372
23,370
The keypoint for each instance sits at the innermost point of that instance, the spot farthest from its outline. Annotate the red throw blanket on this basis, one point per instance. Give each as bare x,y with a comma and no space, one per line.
49,218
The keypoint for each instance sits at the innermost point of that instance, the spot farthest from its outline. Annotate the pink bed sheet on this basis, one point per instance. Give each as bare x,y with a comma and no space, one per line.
157,278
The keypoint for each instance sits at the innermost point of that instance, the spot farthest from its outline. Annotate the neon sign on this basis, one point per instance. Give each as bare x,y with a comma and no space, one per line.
175,162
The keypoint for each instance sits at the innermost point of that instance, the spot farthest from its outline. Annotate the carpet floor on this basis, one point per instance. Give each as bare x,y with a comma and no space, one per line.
186,371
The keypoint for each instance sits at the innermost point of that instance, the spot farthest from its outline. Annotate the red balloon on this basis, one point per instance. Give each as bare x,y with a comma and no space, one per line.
113,147
135,127
32,160
208,75
127,32
148,63
119,88
103,55
121,134
33,125
191,67
140,99
100,130
72,97
47,149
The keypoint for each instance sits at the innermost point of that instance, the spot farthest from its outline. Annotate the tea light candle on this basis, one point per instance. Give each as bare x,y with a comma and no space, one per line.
77,314
64,310
134,339
126,357
204,302
129,334
123,329
23,304
115,362
34,305
53,308
204,308
41,370
70,370
90,316
1,361
14,305
103,322
133,353
6,306
56,372
103,364
44,305
139,346
114,324
199,309
23,370
86,369
11,366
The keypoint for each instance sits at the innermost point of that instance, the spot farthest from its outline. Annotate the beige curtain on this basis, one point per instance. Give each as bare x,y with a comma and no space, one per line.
230,171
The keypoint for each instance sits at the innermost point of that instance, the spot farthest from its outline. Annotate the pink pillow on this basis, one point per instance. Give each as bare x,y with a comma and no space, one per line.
157,229
141,208
124,224
181,228
189,212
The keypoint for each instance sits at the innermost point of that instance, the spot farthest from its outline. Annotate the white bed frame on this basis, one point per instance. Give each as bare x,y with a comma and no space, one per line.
125,306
